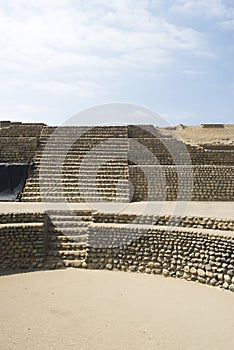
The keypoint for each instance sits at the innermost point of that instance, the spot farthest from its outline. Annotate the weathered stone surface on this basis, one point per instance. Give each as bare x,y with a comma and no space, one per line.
201,273
109,266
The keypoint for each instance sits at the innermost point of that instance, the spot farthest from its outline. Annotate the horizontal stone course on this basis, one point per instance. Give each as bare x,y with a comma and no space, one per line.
21,129
164,220
169,151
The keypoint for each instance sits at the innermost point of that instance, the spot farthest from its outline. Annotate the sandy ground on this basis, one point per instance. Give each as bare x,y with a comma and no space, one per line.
198,135
209,209
89,310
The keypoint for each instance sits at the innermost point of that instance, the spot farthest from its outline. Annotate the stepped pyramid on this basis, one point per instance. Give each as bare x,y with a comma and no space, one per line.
78,164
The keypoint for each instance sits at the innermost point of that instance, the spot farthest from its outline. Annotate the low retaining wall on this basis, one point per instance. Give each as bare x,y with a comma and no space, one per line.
6,218
193,256
186,251
22,240
165,220
22,246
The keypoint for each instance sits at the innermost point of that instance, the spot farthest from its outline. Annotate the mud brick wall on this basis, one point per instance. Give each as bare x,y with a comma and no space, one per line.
194,256
155,183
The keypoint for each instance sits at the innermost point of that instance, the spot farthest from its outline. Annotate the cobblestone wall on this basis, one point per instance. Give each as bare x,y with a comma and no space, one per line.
165,220
194,256
18,142
17,149
203,183
167,151
22,241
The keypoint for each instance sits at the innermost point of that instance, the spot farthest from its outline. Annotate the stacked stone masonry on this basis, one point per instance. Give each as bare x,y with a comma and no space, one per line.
22,241
67,238
80,164
17,149
194,256
170,183
165,220
169,151
18,142
198,249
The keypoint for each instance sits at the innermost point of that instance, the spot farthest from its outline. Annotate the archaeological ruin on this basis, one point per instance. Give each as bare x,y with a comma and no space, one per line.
61,188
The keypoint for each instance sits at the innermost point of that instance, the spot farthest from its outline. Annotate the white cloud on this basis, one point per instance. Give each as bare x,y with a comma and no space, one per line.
220,10
76,47
228,24
37,34
80,88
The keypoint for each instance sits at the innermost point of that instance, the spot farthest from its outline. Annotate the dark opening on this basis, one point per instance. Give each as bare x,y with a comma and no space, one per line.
12,180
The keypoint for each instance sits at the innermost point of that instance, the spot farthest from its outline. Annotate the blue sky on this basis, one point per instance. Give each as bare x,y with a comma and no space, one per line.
59,57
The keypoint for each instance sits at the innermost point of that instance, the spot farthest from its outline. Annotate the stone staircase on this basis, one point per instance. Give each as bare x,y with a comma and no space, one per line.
67,238
78,164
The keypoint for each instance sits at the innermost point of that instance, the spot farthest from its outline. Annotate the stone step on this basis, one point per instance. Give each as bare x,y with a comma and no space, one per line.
60,239
103,186
74,200
76,194
70,217
77,153
85,145
68,254
64,181
89,167
83,134
78,130
79,157
74,171
64,213
88,157
106,189
66,246
75,186
70,231
71,179
55,263
69,223
115,196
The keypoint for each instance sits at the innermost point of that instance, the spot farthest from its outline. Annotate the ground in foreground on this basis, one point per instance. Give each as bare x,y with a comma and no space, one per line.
89,310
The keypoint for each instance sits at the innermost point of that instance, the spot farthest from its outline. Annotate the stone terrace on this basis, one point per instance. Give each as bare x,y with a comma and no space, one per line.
80,171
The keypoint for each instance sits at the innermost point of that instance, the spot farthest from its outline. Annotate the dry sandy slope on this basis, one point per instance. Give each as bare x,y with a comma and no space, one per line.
198,135
88,310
